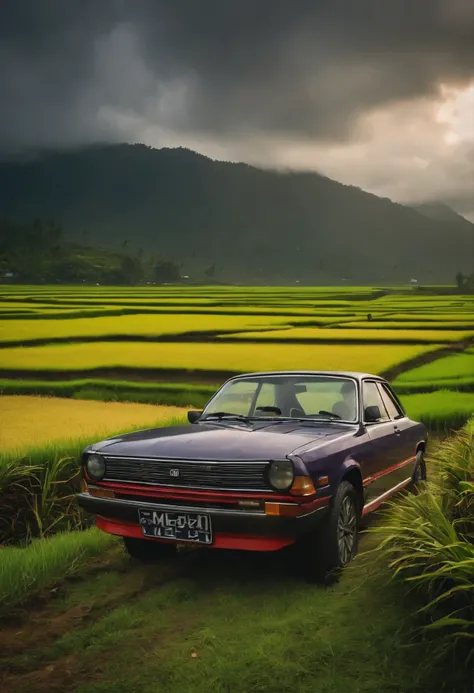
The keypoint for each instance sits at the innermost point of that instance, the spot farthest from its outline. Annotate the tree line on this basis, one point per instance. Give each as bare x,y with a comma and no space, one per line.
36,252
465,283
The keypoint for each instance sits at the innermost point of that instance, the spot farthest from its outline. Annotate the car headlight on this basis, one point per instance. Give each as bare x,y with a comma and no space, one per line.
281,474
95,467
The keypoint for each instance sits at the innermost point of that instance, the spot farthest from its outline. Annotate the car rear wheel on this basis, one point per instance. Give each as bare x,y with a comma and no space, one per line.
419,473
148,551
334,545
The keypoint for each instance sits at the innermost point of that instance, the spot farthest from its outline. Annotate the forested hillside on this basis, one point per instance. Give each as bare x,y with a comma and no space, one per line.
246,224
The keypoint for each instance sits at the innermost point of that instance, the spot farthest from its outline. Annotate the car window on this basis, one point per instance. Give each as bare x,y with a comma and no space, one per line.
311,396
327,396
371,398
394,398
236,399
390,405
266,396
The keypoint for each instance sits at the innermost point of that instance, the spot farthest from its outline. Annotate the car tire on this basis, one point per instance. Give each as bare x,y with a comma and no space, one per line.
147,551
334,544
419,472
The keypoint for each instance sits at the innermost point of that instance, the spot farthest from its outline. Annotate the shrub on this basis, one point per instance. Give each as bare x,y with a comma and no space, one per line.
428,540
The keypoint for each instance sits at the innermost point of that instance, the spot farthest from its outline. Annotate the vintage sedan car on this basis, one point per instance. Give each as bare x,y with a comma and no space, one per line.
274,459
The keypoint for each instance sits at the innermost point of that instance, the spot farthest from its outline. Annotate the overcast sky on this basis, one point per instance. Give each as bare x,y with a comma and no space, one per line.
378,93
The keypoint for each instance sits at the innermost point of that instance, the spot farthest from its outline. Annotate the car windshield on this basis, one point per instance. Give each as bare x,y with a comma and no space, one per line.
286,396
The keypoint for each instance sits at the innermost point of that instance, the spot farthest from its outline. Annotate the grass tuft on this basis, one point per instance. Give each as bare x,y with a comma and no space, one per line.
427,541
41,564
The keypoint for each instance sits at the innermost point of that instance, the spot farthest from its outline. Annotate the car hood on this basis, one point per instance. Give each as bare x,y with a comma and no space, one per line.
219,441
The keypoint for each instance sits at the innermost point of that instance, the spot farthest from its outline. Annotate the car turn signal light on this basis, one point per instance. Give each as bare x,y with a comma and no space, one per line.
101,492
282,509
302,486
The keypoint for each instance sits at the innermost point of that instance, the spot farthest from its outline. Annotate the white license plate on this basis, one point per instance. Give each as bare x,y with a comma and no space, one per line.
161,524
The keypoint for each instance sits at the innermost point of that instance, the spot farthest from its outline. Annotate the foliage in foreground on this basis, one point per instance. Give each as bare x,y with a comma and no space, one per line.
24,570
428,541
37,488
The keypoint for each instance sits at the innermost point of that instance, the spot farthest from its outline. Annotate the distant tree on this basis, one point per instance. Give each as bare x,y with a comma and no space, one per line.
210,271
131,269
166,271
460,280
467,283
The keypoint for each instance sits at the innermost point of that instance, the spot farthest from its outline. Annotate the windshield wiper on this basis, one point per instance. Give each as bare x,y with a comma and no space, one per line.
306,420
331,414
227,415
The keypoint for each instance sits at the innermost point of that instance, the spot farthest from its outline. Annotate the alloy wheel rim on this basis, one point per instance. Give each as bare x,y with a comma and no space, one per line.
346,530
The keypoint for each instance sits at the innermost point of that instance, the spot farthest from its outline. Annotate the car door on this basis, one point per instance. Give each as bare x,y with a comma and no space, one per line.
386,448
404,430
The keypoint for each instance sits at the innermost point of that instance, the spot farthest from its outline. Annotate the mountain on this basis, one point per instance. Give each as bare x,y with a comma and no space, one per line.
254,225
442,212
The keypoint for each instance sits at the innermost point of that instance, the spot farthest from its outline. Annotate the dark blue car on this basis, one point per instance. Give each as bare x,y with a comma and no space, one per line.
274,459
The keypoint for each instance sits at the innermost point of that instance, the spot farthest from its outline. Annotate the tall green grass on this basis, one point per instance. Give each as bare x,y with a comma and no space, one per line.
37,487
427,541
24,570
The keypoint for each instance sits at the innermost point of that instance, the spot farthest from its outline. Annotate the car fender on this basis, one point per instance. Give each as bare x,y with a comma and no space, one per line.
350,470
347,466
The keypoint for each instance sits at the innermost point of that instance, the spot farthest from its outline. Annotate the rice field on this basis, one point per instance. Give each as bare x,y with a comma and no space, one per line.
453,368
413,326
340,334
415,318
129,326
441,410
106,343
206,356
29,422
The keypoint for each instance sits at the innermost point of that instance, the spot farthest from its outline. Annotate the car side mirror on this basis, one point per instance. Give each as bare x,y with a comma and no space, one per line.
372,414
193,415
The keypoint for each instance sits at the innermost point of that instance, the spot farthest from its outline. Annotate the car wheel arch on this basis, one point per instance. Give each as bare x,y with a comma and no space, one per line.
420,447
351,473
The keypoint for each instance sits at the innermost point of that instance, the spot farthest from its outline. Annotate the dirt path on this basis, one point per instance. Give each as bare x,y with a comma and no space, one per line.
30,660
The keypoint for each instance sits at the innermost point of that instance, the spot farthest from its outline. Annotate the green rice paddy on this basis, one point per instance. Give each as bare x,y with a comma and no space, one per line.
115,343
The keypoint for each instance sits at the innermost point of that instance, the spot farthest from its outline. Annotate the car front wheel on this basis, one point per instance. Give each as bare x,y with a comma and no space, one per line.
148,551
334,544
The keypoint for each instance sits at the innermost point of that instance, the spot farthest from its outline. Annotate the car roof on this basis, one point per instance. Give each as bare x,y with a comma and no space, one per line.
355,375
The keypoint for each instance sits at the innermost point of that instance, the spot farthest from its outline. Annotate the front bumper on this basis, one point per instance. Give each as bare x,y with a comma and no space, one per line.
231,528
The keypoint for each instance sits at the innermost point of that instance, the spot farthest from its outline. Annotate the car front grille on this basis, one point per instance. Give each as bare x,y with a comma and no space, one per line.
229,476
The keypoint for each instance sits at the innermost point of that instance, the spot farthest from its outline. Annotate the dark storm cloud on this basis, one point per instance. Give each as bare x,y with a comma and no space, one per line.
292,67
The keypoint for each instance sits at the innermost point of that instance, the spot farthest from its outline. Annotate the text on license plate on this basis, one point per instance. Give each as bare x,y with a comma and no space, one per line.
175,525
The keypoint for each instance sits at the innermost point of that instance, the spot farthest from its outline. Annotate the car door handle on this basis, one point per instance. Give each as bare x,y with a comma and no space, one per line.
397,430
